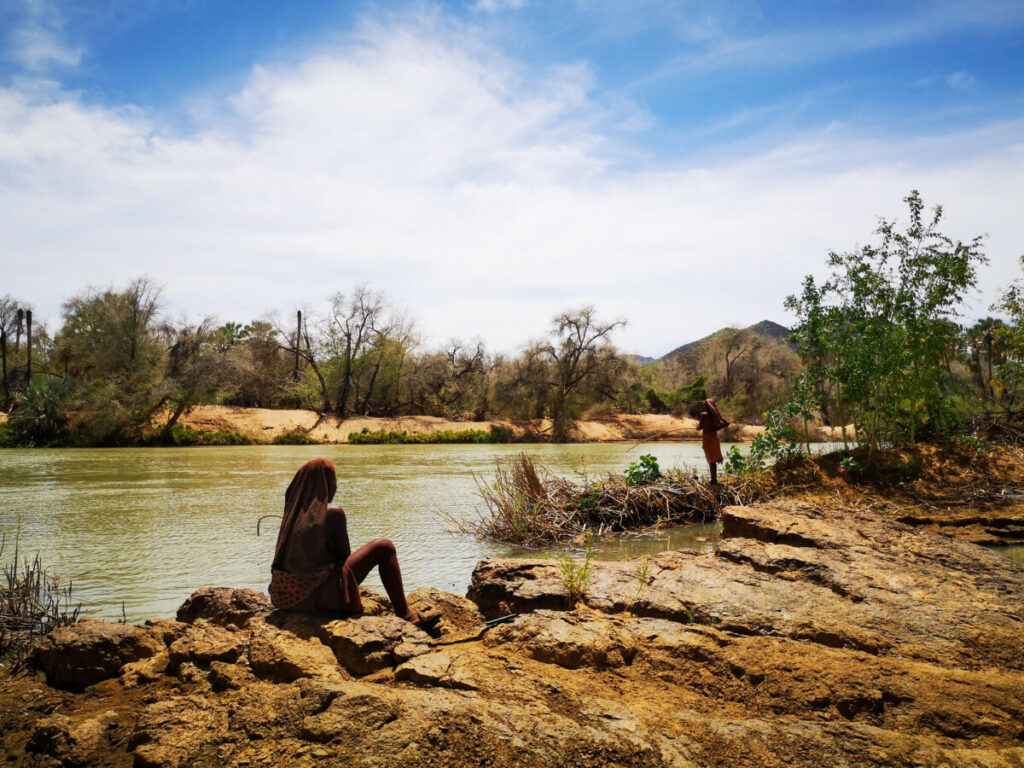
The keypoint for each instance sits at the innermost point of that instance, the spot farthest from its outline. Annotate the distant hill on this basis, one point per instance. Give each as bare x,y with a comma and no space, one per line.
765,328
641,359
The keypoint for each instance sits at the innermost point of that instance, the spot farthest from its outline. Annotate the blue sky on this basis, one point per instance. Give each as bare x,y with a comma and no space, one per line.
488,164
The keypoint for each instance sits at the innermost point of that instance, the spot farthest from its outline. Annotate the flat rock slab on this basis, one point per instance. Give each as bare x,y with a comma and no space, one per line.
859,581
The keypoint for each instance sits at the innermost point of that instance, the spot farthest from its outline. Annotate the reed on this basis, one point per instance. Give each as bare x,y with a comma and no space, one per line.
528,505
33,602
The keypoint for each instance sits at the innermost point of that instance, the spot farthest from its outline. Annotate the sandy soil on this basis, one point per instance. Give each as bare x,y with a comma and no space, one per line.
264,425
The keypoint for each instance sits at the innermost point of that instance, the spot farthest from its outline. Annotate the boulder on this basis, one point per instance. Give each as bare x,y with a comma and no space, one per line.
90,651
457,612
70,742
367,644
223,606
204,642
281,655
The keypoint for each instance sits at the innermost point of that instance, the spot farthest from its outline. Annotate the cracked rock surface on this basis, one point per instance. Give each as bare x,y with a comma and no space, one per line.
806,639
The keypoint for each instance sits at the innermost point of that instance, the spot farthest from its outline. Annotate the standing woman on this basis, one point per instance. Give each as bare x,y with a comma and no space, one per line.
711,420
314,568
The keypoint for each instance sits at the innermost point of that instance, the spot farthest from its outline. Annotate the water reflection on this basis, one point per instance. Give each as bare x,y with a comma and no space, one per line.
145,527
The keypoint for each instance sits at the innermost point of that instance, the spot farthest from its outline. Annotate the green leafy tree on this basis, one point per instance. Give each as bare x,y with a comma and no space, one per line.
880,333
1006,347
575,352
111,345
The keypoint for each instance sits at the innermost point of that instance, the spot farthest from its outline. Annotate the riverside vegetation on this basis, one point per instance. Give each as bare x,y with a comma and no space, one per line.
877,345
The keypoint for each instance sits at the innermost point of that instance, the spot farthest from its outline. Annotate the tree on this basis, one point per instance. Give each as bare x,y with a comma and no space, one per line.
113,352
880,332
193,369
352,324
574,352
1005,347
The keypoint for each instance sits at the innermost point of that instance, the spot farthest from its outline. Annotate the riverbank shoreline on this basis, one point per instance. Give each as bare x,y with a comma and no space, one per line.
810,637
264,425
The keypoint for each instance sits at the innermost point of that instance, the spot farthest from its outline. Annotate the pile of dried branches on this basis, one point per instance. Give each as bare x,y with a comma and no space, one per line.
32,603
530,506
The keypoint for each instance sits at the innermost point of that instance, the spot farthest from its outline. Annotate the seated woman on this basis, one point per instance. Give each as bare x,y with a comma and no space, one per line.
314,568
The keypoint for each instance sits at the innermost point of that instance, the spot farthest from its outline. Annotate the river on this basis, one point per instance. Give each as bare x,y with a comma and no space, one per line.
138,529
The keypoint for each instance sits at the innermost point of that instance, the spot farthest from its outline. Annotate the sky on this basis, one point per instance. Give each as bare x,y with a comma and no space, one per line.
489,164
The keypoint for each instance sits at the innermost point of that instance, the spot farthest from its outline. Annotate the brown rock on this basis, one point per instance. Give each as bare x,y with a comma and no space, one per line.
223,606
70,742
204,642
583,639
170,731
457,612
284,656
859,581
443,669
369,643
90,651
167,630
224,675
149,670
353,709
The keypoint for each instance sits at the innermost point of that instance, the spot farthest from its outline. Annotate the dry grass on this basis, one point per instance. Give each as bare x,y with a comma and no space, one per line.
528,505
32,603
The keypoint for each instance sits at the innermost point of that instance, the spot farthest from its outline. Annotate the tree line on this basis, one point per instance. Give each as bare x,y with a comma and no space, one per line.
876,345
119,371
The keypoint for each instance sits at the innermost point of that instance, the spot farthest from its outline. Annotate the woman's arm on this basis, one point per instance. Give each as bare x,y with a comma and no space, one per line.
337,534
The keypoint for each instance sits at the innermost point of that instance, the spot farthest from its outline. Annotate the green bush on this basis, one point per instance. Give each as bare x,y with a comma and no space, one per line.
385,437
294,437
181,435
647,471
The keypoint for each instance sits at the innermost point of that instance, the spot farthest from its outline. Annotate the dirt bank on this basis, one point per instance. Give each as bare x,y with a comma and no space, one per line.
263,425
810,638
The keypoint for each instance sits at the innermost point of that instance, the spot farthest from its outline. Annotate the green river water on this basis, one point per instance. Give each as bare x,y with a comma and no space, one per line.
144,527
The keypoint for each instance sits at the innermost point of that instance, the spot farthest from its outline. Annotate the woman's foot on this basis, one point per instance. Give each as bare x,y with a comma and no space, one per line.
423,619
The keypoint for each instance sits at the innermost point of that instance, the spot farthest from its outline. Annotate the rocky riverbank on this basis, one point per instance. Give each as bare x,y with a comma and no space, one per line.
810,638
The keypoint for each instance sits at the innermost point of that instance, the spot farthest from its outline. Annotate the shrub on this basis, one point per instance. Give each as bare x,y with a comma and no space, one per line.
647,471
294,437
385,437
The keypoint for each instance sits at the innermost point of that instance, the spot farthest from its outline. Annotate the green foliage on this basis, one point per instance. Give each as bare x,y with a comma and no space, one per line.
681,398
294,437
851,465
1006,385
576,574
647,471
735,462
778,442
41,413
878,336
642,575
975,443
180,435
386,437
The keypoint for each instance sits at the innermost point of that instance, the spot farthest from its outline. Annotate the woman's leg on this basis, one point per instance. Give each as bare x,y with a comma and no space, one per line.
714,472
381,553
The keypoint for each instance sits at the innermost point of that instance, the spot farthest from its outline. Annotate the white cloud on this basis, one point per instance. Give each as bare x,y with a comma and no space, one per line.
36,38
961,81
495,6
482,199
